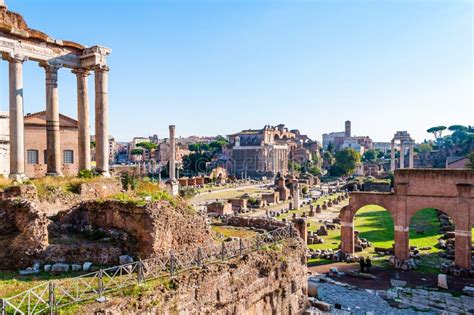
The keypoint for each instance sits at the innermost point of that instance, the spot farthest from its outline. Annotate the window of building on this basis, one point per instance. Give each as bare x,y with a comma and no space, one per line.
68,156
32,156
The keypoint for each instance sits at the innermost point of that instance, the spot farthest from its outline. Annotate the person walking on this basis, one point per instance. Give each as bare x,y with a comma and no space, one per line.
368,264
362,264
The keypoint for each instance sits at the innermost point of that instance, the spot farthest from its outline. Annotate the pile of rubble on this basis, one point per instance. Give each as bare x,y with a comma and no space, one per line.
405,265
330,254
360,243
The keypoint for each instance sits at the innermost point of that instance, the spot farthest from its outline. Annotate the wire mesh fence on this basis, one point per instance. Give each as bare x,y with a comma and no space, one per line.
48,297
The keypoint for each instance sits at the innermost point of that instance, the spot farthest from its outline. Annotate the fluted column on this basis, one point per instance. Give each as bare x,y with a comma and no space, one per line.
17,127
392,156
402,154
53,143
102,120
411,155
84,147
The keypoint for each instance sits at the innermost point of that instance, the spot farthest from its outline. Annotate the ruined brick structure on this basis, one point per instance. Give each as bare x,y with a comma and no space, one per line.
450,191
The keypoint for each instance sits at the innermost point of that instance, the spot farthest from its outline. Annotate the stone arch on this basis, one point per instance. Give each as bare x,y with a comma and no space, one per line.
347,216
462,225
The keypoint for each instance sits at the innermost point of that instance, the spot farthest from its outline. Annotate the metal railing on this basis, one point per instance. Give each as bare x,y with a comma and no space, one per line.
48,297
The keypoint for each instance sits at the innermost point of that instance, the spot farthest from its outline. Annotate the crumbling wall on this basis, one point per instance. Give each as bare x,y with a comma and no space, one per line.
257,223
271,281
23,233
154,228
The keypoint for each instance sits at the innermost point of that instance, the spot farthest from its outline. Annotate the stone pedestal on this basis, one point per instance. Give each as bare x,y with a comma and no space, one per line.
172,187
347,238
402,247
463,249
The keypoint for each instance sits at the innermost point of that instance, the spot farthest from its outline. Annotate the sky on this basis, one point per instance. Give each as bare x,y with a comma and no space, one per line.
219,66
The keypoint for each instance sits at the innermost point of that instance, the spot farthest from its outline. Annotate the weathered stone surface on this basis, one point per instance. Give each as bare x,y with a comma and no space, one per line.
60,268
443,281
87,266
258,283
125,259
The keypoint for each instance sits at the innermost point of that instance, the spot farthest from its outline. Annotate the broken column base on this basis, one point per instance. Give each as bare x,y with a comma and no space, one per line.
456,271
405,265
172,186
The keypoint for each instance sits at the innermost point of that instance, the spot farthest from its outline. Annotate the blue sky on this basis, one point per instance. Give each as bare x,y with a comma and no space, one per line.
216,67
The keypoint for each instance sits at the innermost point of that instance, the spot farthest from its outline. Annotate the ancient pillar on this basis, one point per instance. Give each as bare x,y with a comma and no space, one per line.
402,154
301,227
402,246
347,237
392,156
411,154
101,120
463,249
53,142
172,153
296,196
17,127
84,154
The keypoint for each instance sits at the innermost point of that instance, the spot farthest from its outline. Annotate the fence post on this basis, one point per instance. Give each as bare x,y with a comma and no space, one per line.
101,283
257,241
140,271
4,307
241,247
291,230
172,262
52,299
223,251
199,257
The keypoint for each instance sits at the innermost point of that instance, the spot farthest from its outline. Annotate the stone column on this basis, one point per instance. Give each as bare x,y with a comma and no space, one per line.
347,237
172,153
402,154
102,120
411,155
463,248
402,246
53,142
392,156
84,138
17,127
301,227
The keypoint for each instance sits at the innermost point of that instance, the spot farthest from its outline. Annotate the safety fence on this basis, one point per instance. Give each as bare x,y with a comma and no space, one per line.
52,295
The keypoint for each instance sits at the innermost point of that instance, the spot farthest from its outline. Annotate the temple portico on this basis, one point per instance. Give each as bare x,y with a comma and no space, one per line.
19,44
405,141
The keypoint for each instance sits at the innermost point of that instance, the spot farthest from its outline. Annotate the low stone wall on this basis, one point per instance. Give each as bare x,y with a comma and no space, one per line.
273,281
257,223
23,233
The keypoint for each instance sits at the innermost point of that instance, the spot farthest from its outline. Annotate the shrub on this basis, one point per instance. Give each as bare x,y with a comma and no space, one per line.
87,174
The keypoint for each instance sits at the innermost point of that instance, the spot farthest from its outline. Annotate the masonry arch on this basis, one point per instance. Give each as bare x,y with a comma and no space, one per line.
383,225
454,228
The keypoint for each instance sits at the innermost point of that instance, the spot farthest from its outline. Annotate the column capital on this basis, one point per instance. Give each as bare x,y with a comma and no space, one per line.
84,72
101,68
51,67
14,57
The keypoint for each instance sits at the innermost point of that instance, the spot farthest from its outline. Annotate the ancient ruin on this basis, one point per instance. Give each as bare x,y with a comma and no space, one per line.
172,183
19,44
404,138
450,191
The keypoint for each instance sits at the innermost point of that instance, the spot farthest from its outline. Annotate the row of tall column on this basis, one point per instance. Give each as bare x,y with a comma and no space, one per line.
411,153
17,144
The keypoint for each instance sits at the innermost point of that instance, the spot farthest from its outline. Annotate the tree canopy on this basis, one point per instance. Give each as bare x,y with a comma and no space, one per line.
345,162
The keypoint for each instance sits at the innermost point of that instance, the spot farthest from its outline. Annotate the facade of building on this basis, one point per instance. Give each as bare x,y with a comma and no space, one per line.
36,157
266,152
344,139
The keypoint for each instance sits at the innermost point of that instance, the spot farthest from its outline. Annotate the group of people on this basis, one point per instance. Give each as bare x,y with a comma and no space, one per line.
365,264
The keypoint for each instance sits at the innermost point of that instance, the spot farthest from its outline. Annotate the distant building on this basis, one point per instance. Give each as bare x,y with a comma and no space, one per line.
344,139
266,152
457,162
35,145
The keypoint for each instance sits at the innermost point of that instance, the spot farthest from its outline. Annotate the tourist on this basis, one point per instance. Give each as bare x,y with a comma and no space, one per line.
368,264
362,264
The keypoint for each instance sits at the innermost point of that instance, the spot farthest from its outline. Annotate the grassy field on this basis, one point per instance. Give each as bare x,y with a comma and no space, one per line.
376,225
229,231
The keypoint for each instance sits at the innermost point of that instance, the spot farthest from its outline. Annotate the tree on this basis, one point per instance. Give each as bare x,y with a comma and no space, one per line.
136,152
470,164
437,131
458,127
345,162
147,145
371,155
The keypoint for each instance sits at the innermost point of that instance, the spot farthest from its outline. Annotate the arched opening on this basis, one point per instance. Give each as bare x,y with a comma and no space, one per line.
374,233
432,239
